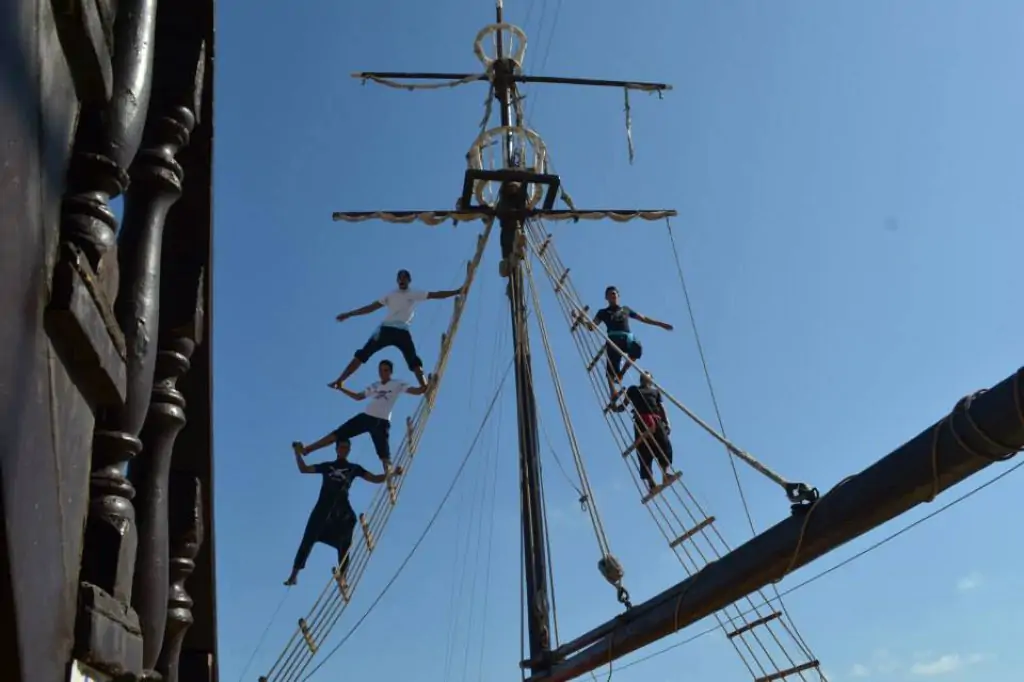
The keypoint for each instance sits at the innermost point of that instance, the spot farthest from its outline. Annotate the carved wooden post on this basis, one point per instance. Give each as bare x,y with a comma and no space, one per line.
85,281
109,133
186,531
157,181
151,471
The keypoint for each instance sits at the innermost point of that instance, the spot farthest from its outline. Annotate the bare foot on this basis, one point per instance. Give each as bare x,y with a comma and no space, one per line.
292,579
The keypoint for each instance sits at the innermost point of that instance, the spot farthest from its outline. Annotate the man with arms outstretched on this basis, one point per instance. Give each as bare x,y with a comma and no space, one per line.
394,330
332,519
376,419
616,319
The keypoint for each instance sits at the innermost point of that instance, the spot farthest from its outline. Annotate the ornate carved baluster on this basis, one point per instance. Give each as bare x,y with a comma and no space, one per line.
186,529
157,181
107,139
85,281
178,339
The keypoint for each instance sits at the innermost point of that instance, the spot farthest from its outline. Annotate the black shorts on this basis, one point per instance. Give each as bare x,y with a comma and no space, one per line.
379,430
614,349
391,336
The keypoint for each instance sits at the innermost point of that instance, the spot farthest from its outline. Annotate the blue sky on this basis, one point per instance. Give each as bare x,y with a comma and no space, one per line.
848,182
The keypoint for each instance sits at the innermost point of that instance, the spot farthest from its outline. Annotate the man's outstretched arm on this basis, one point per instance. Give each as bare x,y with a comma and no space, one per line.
650,320
437,295
379,478
365,310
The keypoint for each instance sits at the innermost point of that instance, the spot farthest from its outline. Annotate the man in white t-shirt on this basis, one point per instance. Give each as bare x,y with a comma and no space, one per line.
394,330
375,419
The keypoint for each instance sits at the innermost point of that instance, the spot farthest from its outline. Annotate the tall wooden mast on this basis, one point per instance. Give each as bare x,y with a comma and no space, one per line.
510,193
516,190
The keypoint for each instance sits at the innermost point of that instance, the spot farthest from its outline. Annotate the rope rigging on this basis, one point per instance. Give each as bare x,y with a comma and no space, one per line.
426,529
835,567
798,493
609,566
759,639
718,412
326,611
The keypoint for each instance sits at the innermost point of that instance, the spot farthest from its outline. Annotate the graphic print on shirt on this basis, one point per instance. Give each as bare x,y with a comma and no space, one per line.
616,320
401,305
337,481
382,397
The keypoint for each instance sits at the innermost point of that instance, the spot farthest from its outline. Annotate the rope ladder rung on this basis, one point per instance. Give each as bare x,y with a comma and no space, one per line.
658,489
690,533
307,635
544,246
783,674
343,588
561,281
367,535
410,442
754,623
580,317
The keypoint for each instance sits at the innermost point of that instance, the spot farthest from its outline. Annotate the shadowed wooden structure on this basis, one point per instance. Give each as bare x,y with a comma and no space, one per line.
106,540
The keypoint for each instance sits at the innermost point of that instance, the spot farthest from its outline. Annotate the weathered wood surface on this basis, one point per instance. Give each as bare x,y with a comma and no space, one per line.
73,373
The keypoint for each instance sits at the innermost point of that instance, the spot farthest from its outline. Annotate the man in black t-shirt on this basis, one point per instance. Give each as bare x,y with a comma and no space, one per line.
616,319
332,519
651,429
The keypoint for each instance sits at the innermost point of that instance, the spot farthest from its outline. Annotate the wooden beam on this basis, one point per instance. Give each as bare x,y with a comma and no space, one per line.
519,78
980,430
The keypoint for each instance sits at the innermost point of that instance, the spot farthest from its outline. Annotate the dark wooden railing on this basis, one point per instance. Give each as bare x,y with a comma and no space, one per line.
106,552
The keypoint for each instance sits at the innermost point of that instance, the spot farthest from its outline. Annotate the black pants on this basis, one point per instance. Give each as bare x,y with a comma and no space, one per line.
391,336
614,350
655,446
333,529
379,430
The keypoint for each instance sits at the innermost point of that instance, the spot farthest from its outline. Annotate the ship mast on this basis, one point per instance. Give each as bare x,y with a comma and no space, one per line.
534,530
521,188
981,430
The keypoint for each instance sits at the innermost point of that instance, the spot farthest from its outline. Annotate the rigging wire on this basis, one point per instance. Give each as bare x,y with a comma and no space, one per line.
493,458
330,606
721,424
490,549
423,535
490,461
531,105
704,527
457,572
263,637
595,517
579,312
558,461
845,562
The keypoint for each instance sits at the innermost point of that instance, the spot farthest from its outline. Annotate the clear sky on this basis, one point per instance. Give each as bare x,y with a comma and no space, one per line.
848,178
